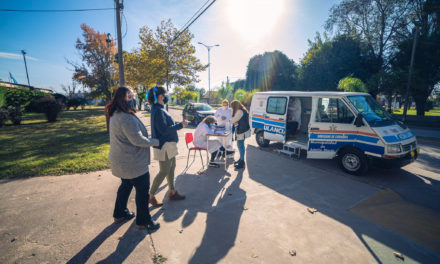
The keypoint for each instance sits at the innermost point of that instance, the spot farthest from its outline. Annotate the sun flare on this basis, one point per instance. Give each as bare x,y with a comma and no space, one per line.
254,19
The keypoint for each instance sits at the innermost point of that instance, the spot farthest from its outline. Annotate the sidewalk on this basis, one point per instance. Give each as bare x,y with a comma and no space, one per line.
258,215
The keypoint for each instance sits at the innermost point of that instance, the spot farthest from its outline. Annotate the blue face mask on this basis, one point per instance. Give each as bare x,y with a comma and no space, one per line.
131,104
166,99
210,125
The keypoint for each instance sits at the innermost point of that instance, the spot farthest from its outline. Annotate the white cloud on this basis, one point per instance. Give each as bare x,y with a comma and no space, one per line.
14,56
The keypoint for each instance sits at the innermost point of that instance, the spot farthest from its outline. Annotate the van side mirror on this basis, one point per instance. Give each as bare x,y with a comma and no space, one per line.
358,121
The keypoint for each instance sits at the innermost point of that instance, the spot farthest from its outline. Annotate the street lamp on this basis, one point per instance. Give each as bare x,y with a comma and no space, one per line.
209,68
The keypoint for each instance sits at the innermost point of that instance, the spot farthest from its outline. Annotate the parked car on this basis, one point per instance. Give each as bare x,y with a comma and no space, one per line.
195,112
147,107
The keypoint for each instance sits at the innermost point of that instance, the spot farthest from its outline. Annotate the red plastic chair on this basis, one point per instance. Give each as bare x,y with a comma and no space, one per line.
188,139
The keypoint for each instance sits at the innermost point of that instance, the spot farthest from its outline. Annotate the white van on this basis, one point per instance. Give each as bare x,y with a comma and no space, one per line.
352,127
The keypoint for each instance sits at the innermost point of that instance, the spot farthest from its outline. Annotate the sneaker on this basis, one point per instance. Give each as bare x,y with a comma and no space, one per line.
213,165
240,165
152,226
128,215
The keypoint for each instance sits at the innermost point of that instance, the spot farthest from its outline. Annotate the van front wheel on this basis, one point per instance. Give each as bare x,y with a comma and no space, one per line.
260,139
353,161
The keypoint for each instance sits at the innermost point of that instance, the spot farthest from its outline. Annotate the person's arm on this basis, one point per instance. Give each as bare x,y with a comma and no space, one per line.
161,124
134,134
237,117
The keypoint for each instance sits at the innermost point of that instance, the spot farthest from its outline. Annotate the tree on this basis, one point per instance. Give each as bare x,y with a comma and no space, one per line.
426,69
326,62
97,70
377,23
226,91
70,90
170,60
271,71
350,84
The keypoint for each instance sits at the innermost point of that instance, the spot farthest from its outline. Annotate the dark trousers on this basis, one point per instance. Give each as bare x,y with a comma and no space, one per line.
292,127
141,184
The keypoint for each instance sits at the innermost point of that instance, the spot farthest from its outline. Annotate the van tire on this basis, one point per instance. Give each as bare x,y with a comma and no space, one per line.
264,143
353,161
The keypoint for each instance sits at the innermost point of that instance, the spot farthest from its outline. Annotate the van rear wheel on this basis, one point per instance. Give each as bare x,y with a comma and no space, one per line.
260,139
353,161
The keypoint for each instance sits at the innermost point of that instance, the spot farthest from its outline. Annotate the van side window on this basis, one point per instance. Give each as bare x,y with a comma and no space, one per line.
333,110
276,105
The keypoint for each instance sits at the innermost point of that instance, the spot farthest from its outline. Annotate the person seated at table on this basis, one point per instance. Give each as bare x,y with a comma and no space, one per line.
200,138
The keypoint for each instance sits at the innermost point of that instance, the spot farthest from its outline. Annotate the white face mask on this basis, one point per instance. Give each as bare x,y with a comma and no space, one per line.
225,107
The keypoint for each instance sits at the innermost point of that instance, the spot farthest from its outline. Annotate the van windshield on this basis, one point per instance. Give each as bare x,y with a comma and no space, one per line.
371,110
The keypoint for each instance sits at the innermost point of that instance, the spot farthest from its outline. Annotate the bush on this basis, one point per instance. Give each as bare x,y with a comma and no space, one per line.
76,102
49,106
351,84
61,98
15,115
4,115
2,96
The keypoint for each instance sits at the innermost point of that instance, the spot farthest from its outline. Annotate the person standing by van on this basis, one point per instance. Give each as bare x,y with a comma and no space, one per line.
165,129
293,116
129,158
240,119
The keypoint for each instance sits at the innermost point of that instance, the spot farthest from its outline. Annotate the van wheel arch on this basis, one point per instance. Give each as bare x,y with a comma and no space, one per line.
259,137
352,160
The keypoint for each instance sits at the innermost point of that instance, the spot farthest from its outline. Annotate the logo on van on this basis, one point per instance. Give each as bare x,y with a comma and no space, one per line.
274,129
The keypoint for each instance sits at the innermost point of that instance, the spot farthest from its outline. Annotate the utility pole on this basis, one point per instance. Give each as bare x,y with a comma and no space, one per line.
120,6
405,107
25,65
209,68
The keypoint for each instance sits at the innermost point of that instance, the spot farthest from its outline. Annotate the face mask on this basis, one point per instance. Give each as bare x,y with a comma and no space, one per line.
210,125
225,107
131,104
166,99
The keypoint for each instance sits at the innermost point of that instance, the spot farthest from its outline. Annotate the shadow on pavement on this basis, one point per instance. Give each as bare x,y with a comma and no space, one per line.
127,244
328,192
86,252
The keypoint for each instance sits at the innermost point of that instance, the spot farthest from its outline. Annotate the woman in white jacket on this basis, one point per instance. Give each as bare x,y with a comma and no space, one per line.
224,115
200,138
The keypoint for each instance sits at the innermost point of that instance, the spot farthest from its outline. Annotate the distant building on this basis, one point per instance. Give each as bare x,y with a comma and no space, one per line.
20,86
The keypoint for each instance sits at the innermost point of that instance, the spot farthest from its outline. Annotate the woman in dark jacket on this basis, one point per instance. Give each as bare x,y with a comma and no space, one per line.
240,119
165,129
129,158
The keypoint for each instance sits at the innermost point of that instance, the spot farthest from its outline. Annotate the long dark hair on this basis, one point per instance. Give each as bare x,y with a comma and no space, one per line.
155,91
236,105
118,102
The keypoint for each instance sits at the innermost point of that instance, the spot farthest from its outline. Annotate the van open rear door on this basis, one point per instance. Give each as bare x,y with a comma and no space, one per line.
275,118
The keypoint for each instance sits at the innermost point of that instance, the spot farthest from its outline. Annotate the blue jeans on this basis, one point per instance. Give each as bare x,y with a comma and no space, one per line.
240,145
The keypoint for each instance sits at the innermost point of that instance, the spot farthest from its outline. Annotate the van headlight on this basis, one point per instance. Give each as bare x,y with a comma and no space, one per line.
394,148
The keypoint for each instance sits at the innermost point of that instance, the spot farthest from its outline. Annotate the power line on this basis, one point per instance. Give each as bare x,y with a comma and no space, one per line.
201,13
189,20
54,10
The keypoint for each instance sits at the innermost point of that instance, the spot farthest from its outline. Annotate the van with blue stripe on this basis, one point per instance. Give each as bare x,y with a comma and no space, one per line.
351,127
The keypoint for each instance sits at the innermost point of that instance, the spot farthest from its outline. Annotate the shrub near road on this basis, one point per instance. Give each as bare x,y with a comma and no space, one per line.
77,142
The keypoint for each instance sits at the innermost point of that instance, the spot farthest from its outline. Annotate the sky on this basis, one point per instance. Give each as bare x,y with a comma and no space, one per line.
242,28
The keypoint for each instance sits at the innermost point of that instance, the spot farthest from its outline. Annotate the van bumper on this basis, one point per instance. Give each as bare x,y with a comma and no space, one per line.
399,161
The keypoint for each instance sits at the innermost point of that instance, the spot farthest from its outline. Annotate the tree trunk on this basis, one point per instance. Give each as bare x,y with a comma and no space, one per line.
420,105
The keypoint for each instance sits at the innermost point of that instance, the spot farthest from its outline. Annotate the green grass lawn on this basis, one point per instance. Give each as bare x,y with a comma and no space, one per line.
432,112
77,142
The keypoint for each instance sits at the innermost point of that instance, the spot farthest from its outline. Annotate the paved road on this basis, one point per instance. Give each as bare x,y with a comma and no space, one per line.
256,215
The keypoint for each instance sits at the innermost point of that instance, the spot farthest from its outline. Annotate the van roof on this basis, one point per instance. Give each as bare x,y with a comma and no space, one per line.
314,93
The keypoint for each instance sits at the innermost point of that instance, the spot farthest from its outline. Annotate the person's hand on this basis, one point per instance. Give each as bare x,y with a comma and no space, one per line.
223,117
184,123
